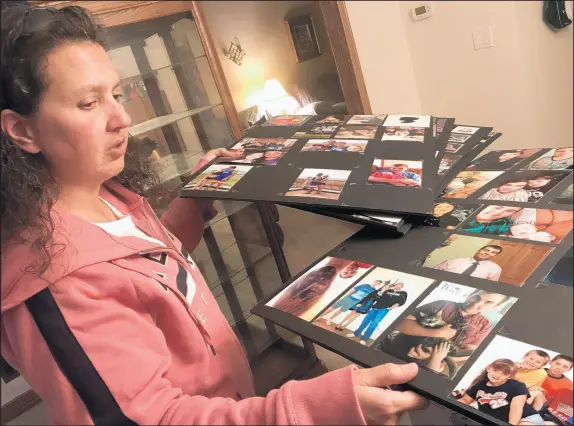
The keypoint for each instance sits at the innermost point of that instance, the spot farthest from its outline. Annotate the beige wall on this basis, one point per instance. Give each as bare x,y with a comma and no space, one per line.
522,86
259,26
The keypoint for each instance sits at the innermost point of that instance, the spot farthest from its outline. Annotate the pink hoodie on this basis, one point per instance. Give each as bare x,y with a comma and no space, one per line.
107,337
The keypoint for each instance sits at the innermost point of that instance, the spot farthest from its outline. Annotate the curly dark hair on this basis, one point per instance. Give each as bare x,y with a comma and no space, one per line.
28,189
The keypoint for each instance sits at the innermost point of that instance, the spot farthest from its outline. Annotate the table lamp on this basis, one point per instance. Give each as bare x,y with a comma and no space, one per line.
276,101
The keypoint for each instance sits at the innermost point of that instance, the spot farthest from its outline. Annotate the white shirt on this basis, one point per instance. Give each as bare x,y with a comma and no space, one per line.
486,269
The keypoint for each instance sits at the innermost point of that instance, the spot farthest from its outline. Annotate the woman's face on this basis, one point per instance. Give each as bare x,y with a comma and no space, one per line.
80,125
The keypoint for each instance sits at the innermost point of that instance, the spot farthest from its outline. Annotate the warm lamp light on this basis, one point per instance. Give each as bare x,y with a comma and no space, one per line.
276,101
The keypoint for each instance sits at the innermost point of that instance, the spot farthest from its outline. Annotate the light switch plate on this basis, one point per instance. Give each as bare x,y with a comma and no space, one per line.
482,37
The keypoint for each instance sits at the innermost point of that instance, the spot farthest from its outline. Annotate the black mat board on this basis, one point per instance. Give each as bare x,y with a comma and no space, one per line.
531,320
270,183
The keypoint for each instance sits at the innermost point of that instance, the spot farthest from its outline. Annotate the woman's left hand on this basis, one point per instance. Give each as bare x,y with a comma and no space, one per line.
222,152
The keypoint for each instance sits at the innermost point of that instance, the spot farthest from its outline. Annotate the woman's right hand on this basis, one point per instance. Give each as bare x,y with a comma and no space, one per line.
383,406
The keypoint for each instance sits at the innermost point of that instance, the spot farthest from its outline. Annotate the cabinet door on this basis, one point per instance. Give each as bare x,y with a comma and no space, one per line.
517,263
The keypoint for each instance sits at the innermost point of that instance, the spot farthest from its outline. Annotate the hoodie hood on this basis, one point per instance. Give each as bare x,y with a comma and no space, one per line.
76,244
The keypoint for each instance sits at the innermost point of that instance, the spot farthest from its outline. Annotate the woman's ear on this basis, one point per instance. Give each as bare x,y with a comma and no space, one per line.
15,127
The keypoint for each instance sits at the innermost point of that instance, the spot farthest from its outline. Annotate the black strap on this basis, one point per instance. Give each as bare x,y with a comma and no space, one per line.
74,362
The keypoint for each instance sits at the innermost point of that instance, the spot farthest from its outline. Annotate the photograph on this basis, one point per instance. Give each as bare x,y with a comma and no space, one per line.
408,120
453,147
525,186
501,160
443,331
446,162
372,304
367,119
519,383
268,158
218,177
288,120
356,132
396,173
565,196
407,134
335,145
303,39
509,262
562,273
467,183
547,226
466,130
456,138
319,183
330,119
318,287
264,144
449,216
317,131
440,122
555,159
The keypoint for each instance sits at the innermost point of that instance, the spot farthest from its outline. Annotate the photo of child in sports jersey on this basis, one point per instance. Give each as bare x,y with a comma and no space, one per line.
319,183
396,173
405,134
519,383
366,310
315,289
218,177
288,120
549,226
444,330
335,145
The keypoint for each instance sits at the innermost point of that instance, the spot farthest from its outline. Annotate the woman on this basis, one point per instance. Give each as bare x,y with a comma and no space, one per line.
103,311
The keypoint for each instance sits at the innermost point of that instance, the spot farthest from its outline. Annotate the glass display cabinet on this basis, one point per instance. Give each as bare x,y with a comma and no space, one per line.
181,107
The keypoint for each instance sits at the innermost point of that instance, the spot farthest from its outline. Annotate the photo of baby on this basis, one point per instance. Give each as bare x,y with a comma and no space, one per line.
407,134
268,158
396,173
548,226
218,177
372,304
319,183
562,273
465,130
458,138
525,186
443,331
317,131
453,147
501,160
264,144
449,216
288,120
375,120
467,183
335,145
356,132
446,162
315,289
408,121
505,261
519,383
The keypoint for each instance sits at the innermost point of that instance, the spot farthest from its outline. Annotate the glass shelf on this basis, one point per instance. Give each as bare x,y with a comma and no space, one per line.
164,120
140,77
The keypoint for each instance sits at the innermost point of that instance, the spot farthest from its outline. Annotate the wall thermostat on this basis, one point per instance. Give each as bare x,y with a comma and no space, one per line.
422,12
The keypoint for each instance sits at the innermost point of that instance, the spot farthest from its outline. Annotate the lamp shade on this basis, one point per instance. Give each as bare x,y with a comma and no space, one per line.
273,90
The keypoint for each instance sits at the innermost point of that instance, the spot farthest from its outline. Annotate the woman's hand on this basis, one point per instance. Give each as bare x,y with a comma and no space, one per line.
381,405
222,152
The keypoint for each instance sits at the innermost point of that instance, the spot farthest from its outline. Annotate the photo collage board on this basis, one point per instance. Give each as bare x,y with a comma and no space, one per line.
481,298
366,162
